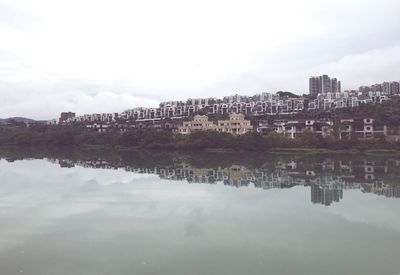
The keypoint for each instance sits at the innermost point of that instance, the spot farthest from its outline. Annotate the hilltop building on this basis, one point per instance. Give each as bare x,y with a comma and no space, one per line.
323,85
66,116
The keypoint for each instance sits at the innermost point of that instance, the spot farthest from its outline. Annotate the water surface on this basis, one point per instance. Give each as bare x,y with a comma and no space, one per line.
199,215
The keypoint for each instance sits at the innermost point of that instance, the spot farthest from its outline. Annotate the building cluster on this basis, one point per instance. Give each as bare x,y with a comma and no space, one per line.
346,128
259,104
325,94
327,179
324,85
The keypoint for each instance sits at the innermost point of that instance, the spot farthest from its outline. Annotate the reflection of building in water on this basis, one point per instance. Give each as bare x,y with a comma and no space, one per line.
325,196
327,178
66,163
380,188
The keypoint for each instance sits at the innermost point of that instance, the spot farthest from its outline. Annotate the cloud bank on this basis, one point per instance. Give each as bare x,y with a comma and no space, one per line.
102,56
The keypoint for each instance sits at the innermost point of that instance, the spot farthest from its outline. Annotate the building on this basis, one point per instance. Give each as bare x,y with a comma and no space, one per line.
323,85
235,125
314,86
336,86
325,196
363,128
394,88
199,123
65,116
294,128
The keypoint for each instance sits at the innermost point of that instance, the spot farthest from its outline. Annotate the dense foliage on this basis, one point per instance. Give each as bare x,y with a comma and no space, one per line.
43,135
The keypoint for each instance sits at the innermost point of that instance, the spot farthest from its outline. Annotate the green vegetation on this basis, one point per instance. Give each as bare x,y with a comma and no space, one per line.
76,136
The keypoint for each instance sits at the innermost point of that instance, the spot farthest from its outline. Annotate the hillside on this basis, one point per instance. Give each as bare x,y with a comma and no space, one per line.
17,119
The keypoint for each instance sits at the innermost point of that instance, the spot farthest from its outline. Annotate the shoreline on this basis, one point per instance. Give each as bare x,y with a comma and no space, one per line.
288,151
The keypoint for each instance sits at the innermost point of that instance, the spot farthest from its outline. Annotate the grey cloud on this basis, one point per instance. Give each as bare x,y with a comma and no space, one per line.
45,101
358,43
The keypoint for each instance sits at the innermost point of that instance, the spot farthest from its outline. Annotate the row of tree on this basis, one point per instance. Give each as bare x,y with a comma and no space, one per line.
43,135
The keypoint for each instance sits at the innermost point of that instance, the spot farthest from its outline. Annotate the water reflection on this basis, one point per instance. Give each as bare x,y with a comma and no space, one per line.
327,177
142,213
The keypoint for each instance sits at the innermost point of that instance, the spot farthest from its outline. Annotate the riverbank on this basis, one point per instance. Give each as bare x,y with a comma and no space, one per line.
161,140
169,149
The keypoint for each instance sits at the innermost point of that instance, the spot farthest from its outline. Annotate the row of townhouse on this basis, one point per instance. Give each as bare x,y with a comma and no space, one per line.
257,105
174,110
144,124
347,128
293,128
91,118
273,106
346,99
167,111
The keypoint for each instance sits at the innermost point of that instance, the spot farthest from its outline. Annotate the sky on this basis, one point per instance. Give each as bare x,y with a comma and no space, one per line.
90,56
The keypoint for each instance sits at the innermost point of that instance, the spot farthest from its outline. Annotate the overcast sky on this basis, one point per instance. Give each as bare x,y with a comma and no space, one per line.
107,56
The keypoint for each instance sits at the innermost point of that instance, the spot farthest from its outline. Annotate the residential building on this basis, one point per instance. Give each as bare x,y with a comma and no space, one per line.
323,85
65,116
363,128
293,128
314,86
236,125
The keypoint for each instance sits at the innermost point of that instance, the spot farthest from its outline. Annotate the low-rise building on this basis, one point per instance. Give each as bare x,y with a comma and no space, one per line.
293,128
361,128
236,125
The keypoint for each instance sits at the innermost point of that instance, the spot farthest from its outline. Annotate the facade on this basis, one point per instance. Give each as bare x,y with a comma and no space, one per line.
363,128
294,128
314,86
199,123
323,85
66,116
235,125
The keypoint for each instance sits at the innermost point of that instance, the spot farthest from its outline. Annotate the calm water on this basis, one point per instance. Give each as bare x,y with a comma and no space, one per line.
161,214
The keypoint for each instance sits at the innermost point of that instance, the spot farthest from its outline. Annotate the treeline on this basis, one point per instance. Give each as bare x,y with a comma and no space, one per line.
44,135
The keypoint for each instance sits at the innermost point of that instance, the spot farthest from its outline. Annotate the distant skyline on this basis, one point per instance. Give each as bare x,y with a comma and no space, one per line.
107,56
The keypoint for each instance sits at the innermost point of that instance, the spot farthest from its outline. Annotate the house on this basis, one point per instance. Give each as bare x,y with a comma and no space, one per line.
364,128
292,128
236,125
